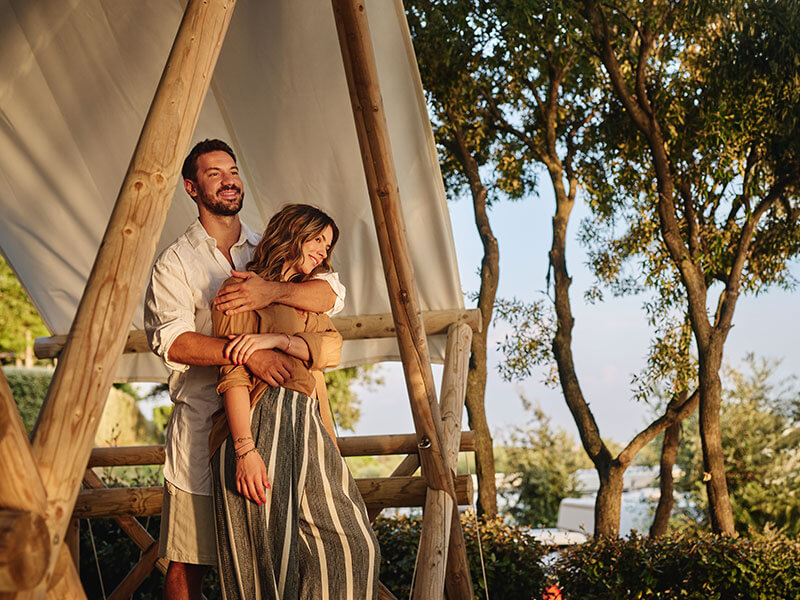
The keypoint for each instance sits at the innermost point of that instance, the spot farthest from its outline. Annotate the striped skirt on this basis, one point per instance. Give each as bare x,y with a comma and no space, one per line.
312,539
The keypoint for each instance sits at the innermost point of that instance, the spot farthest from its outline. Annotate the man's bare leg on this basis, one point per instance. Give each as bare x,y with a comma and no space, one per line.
184,581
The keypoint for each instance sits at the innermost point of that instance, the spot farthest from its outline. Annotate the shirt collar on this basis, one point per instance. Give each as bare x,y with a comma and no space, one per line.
196,234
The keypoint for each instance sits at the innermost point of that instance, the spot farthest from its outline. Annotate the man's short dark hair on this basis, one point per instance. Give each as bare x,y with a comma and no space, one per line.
189,170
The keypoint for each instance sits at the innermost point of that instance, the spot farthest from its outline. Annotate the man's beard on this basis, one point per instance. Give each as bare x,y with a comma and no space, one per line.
222,207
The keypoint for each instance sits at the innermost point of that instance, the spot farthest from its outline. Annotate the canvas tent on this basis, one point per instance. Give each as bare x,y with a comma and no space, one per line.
77,79
314,114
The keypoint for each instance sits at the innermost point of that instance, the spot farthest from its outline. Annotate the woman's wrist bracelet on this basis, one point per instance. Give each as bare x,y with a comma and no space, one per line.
243,454
288,342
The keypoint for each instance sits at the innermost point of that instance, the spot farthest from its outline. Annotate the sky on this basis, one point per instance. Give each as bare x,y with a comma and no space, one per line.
610,338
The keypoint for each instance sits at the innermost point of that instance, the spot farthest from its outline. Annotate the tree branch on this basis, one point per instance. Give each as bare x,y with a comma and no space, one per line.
676,411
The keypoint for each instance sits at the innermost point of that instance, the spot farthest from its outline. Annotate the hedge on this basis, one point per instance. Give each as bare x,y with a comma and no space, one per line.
708,567
29,387
513,560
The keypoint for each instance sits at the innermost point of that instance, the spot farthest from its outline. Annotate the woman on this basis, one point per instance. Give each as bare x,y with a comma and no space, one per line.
307,536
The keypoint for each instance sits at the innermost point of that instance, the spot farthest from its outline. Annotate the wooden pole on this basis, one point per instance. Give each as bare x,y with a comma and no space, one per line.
140,571
21,487
64,582
24,546
444,511
73,542
373,136
458,583
363,327
405,469
71,412
352,445
378,492
129,525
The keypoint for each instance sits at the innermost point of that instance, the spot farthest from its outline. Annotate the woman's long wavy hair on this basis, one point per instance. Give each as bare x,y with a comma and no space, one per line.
280,248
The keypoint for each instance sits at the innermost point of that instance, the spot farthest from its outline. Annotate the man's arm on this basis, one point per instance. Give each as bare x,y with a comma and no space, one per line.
200,350
254,292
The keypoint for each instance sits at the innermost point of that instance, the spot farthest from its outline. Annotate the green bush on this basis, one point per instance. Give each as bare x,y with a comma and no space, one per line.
513,561
707,567
29,387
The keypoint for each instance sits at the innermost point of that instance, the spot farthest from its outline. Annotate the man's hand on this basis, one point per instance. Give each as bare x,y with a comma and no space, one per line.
272,367
250,294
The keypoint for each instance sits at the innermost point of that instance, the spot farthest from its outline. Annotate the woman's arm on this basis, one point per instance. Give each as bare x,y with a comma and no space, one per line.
251,473
241,347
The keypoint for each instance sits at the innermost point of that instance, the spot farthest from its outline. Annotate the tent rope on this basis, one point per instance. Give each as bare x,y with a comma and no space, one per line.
414,574
96,560
478,532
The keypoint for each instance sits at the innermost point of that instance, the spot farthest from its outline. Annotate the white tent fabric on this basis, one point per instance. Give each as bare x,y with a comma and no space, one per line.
76,81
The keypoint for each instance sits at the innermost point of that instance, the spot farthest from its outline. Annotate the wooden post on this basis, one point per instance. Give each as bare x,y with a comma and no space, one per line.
71,412
382,492
351,328
73,542
351,445
21,489
24,549
129,525
64,582
458,583
140,571
373,136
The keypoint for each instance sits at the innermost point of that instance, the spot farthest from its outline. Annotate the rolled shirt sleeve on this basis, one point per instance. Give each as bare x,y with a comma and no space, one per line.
231,376
168,308
338,289
324,348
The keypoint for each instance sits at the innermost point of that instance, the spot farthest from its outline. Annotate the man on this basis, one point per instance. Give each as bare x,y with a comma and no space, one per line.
184,281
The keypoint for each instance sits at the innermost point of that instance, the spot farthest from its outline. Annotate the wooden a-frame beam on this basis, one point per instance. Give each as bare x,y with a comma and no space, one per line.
71,412
379,169
351,328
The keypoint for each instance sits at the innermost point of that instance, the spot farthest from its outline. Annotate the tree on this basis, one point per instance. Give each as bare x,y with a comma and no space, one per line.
760,435
345,404
515,75
701,161
19,321
544,92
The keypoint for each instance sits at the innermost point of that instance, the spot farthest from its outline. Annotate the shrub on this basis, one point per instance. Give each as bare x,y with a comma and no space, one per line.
513,560
707,567
29,387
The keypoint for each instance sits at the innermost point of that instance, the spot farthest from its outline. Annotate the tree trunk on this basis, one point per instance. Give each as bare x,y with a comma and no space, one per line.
476,412
719,504
476,379
608,504
669,452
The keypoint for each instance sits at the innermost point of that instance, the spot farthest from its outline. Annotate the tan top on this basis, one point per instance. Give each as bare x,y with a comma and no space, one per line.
316,329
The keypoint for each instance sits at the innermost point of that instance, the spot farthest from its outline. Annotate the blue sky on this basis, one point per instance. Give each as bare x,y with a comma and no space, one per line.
611,338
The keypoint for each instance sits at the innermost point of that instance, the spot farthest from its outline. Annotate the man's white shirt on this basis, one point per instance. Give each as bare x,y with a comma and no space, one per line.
185,280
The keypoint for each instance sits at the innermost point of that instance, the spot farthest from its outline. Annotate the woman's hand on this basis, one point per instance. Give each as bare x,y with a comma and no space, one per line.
241,347
251,477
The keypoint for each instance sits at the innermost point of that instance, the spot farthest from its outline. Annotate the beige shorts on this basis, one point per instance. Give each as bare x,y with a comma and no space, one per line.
187,528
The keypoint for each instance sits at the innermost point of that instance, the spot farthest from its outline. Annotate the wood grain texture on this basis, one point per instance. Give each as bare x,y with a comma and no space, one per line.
24,550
